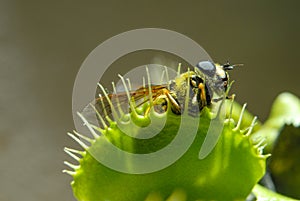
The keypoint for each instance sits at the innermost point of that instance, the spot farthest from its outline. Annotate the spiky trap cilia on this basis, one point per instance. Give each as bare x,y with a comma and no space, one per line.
230,171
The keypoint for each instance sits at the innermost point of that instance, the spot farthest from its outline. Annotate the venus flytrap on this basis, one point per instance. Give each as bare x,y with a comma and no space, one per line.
229,172
285,111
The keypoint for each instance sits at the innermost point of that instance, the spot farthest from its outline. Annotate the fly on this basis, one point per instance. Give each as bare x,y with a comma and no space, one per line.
207,83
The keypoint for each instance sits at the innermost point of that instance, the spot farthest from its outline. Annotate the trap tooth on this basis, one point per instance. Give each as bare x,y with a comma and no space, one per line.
78,140
101,120
96,128
162,77
231,106
70,153
88,125
71,173
83,137
114,112
130,99
256,140
241,118
265,156
117,99
129,84
103,106
144,82
74,151
74,167
229,87
260,142
253,123
178,69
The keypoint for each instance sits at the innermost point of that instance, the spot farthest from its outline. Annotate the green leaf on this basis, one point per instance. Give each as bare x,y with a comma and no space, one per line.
284,163
282,133
229,172
285,111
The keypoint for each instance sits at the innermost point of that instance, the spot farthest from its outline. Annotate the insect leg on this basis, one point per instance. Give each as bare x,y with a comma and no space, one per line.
201,86
175,105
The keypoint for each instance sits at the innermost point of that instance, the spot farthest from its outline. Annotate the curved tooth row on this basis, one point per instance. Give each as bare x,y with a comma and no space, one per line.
73,153
76,154
259,143
253,123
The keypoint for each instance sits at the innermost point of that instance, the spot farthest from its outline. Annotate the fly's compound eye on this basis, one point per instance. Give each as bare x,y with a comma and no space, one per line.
207,67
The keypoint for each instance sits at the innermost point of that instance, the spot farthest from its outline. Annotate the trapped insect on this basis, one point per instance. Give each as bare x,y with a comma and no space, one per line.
207,83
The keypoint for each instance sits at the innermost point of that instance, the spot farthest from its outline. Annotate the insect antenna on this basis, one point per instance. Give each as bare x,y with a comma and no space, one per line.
228,66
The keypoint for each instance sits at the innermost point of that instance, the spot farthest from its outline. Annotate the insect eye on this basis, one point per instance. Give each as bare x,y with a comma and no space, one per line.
207,67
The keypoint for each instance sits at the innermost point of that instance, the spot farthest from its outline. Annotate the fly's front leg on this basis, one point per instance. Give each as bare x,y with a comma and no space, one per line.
162,101
175,106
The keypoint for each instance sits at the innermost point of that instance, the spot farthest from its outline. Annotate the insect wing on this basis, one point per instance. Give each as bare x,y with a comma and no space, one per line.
113,105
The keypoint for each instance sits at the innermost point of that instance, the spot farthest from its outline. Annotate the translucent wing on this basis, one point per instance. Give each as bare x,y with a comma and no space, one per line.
111,106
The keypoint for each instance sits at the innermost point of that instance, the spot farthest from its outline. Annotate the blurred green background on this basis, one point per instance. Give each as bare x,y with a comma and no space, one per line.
42,45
